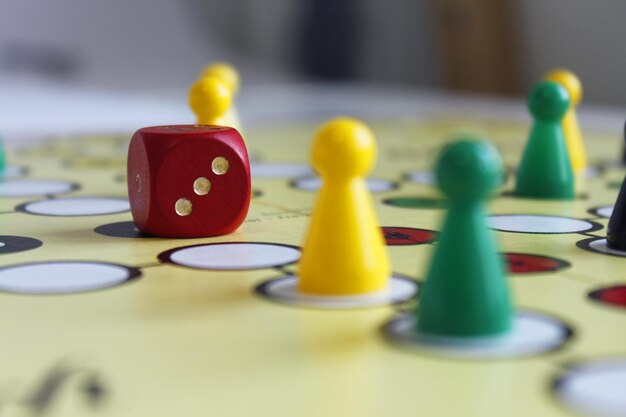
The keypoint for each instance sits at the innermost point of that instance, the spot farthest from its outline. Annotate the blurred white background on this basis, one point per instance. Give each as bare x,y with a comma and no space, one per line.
55,53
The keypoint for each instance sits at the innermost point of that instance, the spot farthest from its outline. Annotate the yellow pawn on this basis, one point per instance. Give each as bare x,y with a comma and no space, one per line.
229,75
225,72
209,99
344,252
571,129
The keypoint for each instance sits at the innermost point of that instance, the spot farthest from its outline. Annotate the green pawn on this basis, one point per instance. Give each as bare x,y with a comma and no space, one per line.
545,171
466,293
2,159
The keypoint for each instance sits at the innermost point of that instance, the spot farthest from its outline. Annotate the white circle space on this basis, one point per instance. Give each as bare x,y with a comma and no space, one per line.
528,223
591,172
30,187
595,388
532,334
374,185
61,277
285,290
421,177
78,206
279,170
235,256
605,211
12,171
601,245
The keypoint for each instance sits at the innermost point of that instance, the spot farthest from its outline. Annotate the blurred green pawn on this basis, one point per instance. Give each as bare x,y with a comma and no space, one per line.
466,292
2,158
545,171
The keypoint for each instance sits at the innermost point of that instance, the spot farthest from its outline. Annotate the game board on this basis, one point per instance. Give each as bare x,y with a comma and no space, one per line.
99,320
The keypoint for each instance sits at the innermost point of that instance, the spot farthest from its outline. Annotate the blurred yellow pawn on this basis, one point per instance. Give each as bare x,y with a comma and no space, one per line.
230,76
225,72
571,129
209,99
344,252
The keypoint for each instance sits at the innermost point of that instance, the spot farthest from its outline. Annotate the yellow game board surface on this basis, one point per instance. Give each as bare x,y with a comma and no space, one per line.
99,320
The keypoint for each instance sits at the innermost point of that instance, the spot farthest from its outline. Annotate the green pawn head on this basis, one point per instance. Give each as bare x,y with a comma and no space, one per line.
468,170
548,101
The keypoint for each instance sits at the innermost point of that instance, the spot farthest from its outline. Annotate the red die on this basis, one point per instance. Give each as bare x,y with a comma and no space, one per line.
188,180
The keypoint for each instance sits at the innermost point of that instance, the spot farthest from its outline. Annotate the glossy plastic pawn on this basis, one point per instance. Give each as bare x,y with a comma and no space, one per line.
210,98
616,230
2,159
466,293
225,72
571,128
344,251
545,171
230,76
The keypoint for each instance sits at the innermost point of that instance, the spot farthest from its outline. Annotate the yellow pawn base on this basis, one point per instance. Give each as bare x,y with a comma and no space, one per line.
285,290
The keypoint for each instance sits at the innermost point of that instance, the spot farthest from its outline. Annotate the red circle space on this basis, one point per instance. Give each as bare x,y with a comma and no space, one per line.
399,236
523,263
615,296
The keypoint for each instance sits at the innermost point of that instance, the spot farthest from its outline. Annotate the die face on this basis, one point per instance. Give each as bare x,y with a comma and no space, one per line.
204,188
199,180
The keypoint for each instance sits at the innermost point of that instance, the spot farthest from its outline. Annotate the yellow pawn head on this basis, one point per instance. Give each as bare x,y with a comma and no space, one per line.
570,81
343,148
225,72
209,99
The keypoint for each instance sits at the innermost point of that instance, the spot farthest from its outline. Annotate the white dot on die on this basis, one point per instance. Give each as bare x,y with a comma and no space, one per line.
183,207
78,206
220,165
202,186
